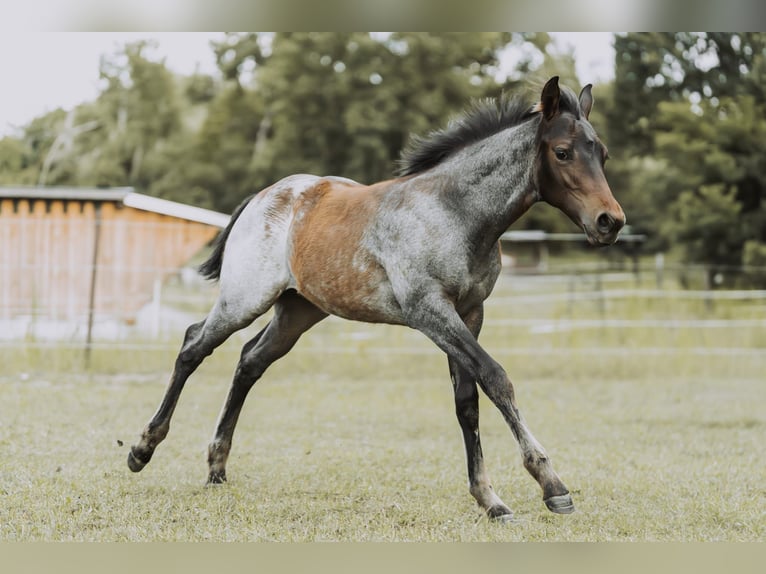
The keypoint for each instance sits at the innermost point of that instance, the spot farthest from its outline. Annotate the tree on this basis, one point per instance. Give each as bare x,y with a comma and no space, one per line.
720,156
37,140
688,111
13,158
217,163
140,111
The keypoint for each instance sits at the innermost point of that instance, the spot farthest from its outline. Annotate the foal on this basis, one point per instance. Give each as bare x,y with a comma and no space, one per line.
419,250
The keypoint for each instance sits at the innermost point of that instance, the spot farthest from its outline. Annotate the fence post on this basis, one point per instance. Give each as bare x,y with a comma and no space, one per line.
659,267
572,289
708,288
600,298
93,279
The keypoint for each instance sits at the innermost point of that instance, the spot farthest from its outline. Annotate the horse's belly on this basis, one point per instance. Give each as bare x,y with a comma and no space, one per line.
350,291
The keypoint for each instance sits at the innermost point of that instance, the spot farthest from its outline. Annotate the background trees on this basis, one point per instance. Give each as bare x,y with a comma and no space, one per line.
684,119
688,117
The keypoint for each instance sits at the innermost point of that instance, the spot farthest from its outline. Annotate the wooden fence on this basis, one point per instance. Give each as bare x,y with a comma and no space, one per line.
63,261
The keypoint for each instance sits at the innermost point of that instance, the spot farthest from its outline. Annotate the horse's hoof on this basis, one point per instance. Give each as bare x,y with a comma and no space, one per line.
561,504
505,519
134,463
500,513
216,477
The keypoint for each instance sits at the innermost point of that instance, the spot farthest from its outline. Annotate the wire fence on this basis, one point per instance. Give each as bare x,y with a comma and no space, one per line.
590,303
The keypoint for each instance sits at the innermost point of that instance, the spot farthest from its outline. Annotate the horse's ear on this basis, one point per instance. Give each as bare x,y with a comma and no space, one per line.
549,101
586,100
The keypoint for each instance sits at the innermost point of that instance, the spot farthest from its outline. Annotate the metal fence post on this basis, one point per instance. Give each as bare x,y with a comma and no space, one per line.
93,280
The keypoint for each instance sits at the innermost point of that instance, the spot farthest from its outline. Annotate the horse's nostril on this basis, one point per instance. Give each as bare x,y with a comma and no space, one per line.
605,222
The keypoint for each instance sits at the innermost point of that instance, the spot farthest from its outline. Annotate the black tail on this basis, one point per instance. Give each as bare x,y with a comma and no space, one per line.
211,269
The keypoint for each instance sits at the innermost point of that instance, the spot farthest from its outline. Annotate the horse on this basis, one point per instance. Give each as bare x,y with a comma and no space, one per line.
419,250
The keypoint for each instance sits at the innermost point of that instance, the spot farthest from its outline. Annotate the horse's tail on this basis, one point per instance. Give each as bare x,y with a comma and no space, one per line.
211,268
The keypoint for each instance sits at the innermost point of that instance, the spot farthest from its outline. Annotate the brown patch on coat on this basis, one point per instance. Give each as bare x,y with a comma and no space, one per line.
331,267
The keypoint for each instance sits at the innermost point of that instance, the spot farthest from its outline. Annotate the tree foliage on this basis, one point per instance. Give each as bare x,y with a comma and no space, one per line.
689,117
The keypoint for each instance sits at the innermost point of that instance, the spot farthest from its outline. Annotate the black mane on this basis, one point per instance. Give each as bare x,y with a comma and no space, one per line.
484,118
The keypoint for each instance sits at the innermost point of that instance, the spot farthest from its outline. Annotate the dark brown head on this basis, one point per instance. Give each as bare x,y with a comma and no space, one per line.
571,164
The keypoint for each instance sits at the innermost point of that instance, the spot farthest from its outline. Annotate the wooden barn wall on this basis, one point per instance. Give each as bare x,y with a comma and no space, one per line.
47,250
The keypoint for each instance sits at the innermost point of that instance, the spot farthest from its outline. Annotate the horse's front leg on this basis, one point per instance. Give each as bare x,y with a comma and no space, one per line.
467,411
437,318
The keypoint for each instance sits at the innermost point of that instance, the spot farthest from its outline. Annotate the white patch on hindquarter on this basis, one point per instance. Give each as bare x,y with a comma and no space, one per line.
255,268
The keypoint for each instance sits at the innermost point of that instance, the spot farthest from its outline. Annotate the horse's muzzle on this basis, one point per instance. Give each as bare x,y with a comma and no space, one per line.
606,229
609,226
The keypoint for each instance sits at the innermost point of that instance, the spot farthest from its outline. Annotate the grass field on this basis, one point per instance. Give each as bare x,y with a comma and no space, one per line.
656,423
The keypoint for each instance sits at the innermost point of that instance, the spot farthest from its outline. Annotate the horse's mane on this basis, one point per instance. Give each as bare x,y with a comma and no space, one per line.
484,118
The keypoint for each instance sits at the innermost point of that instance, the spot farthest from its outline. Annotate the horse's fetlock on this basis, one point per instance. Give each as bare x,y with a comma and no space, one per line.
217,447
535,460
155,434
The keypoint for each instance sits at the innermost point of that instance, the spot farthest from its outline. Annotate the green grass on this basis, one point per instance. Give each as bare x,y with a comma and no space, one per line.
353,435
382,459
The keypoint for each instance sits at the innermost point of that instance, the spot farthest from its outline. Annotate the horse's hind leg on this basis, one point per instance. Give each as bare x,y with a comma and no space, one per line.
201,340
293,316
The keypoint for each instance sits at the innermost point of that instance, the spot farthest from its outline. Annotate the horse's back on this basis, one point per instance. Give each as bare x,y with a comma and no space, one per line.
266,220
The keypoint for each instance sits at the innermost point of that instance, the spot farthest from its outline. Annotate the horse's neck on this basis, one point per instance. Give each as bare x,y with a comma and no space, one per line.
493,181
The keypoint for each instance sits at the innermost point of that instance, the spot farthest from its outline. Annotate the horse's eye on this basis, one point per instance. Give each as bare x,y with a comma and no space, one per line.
562,154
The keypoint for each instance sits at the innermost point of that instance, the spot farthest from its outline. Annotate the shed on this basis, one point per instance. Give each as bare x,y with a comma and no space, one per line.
69,253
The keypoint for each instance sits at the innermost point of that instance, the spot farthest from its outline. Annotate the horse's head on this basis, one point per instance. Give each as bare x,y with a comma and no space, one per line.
571,161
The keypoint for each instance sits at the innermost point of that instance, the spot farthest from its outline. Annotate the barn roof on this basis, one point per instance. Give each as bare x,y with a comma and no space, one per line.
124,195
